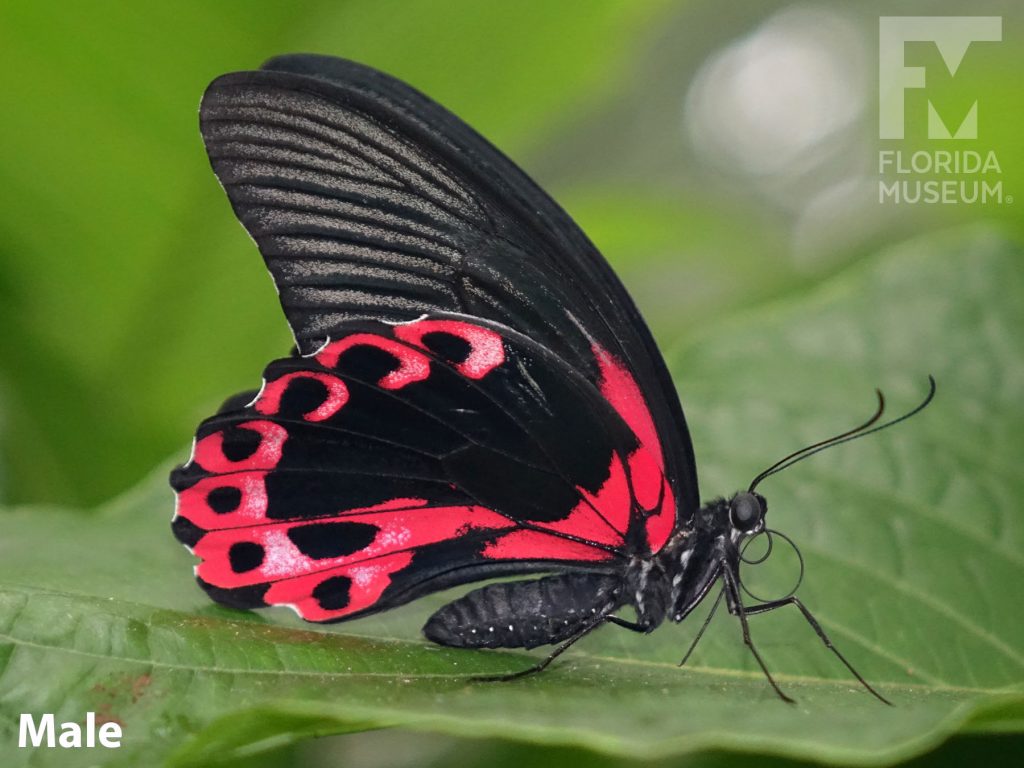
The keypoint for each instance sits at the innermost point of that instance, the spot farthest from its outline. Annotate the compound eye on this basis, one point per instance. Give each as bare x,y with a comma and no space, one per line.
746,512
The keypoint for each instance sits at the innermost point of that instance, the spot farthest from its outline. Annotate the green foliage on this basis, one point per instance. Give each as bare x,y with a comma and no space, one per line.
130,300
131,303
912,540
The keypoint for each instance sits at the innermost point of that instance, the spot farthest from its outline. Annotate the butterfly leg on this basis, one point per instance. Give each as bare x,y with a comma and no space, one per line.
543,663
632,626
735,604
792,600
704,626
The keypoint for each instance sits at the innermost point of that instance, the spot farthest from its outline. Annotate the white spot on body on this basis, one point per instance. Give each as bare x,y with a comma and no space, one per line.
684,558
645,569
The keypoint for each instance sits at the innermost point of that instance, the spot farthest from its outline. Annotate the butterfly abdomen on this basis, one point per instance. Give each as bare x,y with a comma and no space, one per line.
524,614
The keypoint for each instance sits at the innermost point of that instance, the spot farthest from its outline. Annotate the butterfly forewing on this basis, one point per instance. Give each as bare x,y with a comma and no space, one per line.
370,202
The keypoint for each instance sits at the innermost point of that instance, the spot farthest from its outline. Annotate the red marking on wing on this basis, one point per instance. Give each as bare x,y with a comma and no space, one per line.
661,524
398,530
621,390
403,525
368,582
487,350
194,505
536,545
646,463
209,452
650,488
269,401
414,365
602,517
613,498
646,478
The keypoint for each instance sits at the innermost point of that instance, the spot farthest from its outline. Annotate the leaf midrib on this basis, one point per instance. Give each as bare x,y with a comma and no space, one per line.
596,658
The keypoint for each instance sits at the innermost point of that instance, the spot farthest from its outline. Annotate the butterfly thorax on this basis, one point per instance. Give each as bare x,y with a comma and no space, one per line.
646,587
693,559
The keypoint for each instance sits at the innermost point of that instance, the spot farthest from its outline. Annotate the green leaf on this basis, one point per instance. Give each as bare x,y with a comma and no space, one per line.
912,540
683,258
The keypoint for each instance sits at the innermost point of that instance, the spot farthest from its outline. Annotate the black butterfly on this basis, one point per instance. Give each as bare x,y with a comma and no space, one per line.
473,393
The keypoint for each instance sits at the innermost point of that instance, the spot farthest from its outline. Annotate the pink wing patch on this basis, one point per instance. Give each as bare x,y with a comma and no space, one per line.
487,351
604,517
209,452
647,479
355,553
269,401
413,365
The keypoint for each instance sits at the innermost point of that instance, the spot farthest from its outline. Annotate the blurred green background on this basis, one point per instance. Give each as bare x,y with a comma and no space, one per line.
719,155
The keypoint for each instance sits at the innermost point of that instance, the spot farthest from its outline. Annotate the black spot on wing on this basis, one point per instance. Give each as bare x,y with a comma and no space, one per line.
351,473
224,499
326,540
240,444
187,532
303,395
245,556
447,346
366,363
239,597
526,494
333,594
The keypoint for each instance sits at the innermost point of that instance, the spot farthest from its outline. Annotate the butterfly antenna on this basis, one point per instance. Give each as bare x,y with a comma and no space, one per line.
823,443
853,434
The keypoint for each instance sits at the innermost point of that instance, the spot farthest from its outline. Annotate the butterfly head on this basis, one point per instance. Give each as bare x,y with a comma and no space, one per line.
746,513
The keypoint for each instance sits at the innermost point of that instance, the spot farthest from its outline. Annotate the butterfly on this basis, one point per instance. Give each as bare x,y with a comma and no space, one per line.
472,394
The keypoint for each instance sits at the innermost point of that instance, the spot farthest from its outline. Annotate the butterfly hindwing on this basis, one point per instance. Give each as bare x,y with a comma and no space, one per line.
400,459
369,201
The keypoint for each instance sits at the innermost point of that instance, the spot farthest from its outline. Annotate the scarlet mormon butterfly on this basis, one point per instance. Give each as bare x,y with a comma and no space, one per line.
473,394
